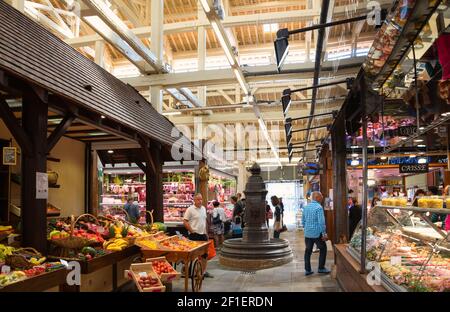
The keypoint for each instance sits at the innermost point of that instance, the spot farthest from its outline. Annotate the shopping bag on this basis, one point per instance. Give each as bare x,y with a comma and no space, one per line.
211,250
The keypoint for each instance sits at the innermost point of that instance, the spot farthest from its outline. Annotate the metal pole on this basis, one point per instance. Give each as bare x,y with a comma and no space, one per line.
416,87
365,177
331,24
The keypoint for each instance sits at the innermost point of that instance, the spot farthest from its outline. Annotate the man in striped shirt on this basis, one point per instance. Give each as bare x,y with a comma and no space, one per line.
313,220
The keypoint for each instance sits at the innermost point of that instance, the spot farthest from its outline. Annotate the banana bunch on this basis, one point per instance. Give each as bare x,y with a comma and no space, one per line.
115,245
4,228
36,261
5,251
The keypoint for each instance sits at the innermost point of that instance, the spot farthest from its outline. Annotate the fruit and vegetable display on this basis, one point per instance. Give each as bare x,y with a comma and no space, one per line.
106,233
20,275
179,244
173,243
160,236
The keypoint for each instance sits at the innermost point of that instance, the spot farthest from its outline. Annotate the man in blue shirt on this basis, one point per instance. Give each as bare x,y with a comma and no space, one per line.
313,220
133,211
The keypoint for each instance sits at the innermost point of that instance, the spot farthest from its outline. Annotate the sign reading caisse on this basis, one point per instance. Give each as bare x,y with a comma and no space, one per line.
413,168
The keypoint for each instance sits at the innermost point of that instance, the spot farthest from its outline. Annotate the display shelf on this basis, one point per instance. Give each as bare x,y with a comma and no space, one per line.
417,19
417,209
386,282
39,283
53,159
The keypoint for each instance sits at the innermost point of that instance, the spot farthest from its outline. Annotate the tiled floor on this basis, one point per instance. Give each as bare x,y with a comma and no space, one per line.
289,277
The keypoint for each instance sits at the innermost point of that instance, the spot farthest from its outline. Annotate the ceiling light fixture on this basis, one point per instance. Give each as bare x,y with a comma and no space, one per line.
355,162
110,151
383,157
355,155
421,145
418,140
422,160
102,117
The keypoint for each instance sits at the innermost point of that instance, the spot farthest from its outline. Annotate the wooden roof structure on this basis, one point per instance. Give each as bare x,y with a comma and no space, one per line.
35,55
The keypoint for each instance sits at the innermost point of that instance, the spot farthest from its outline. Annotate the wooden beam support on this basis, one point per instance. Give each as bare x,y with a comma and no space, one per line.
148,157
339,180
13,125
59,132
141,166
154,184
34,211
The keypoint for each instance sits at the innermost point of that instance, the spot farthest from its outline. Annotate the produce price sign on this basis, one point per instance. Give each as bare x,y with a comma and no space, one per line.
41,185
413,168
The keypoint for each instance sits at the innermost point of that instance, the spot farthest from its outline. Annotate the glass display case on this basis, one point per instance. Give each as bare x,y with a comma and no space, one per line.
179,190
410,252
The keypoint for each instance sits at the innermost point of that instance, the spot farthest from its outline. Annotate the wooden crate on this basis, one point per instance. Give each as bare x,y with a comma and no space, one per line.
165,277
148,269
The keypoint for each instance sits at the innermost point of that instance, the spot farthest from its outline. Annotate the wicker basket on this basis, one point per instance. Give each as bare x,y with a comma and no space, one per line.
73,242
18,260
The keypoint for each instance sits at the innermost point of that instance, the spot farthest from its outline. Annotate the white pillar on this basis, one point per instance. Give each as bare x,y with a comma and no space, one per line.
201,54
100,53
156,98
157,9
237,97
242,177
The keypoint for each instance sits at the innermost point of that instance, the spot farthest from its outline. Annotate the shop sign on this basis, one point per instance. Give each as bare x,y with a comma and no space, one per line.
413,168
407,131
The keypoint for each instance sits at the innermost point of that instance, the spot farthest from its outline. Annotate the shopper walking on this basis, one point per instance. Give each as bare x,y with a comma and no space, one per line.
277,226
195,222
282,210
218,223
269,214
313,220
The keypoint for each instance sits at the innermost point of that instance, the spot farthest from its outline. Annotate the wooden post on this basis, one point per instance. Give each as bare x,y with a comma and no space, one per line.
93,187
155,183
339,180
34,211
203,185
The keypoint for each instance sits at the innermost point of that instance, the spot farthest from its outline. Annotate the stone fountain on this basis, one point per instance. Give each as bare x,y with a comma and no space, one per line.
255,250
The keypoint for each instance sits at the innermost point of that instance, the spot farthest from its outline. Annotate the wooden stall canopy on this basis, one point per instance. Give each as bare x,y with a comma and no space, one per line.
31,53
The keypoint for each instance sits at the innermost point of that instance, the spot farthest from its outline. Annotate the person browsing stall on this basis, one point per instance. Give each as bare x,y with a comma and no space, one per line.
133,211
195,222
313,220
